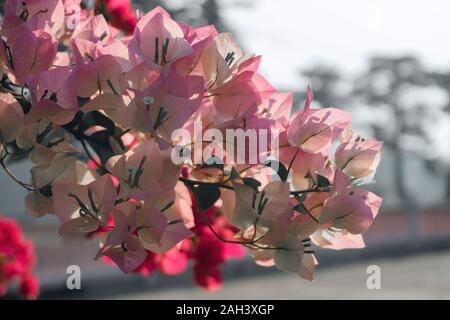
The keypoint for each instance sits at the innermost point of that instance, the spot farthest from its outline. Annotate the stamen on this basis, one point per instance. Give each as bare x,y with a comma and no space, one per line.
139,172
91,200
229,59
162,113
168,206
87,55
103,36
112,87
262,202
156,50
164,52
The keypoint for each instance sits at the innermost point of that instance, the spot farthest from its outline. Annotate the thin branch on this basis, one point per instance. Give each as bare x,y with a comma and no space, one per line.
205,220
27,186
292,160
317,189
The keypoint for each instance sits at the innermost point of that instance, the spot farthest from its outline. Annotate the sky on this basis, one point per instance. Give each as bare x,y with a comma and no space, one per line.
295,33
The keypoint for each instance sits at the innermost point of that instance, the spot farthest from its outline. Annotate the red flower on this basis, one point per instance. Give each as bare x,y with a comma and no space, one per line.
122,14
16,260
207,277
29,287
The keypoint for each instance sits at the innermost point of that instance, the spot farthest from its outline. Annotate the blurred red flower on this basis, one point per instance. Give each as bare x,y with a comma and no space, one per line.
122,14
17,260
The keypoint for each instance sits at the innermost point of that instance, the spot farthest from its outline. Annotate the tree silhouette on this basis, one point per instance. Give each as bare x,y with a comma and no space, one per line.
385,85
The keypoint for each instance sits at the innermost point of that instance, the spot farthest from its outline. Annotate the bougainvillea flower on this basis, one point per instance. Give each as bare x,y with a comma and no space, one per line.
182,207
167,103
231,78
173,235
243,90
83,208
359,158
129,255
28,52
38,203
63,168
158,39
152,224
201,40
52,96
290,256
125,224
104,74
36,14
277,109
312,130
222,60
94,29
305,167
266,205
350,208
144,172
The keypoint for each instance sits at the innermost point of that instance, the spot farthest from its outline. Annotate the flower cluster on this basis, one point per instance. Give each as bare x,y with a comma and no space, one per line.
89,96
16,260
207,253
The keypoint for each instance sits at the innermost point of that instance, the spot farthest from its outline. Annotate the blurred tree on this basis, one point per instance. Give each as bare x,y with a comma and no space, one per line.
325,82
443,81
394,86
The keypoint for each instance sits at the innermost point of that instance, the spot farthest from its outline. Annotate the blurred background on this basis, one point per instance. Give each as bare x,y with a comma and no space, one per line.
388,62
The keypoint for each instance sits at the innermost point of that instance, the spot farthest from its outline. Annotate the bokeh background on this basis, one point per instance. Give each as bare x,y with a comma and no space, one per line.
388,62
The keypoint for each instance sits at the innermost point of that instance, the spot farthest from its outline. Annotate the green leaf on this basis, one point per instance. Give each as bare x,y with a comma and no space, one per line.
99,141
82,101
206,196
280,169
234,174
252,182
322,182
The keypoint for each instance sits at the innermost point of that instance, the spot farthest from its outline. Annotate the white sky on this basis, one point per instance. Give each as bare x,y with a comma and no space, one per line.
343,33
